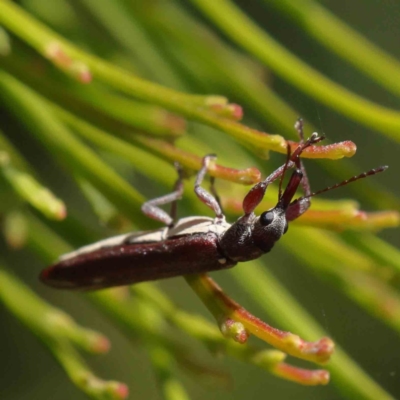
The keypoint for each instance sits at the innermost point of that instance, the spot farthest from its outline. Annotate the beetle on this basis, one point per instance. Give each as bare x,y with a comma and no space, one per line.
196,244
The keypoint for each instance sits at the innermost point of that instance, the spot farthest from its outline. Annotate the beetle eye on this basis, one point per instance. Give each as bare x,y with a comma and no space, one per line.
266,218
285,229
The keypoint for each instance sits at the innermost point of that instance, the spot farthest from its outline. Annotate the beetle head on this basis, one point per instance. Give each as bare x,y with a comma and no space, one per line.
272,224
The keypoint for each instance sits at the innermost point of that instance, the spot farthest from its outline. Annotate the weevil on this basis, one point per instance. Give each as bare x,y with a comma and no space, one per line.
196,244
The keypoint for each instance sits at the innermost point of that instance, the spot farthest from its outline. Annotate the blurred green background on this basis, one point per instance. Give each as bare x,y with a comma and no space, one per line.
28,371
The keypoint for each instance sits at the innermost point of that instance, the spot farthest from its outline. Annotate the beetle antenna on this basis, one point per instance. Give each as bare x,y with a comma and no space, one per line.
288,154
295,156
353,179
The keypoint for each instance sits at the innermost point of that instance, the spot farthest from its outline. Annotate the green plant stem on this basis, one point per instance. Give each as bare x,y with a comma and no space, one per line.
252,38
96,104
129,34
39,119
192,106
334,250
350,270
379,250
29,189
224,66
233,71
56,330
270,360
277,302
230,69
237,322
142,160
328,29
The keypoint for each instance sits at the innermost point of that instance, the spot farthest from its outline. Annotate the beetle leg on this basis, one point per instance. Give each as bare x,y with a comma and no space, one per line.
151,208
300,207
295,210
256,193
214,192
305,183
206,197
178,188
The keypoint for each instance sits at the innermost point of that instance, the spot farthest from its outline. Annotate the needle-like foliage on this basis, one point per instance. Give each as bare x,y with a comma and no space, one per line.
99,98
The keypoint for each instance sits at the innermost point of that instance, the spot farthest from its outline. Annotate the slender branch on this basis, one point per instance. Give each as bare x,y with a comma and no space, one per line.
260,284
382,252
363,279
75,155
173,25
94,103
257,41
225,310
338,36
270,360
57,330
29,189
160,148
200,108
